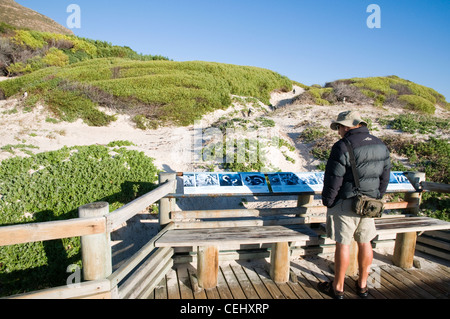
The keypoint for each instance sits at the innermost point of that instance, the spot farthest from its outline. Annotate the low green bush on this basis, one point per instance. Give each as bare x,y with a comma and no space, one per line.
51,186
418,104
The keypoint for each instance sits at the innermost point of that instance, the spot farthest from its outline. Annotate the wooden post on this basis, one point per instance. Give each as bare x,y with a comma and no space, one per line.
305,200
352,269
207,266
96,249
166,205
405,246
415,178
280,262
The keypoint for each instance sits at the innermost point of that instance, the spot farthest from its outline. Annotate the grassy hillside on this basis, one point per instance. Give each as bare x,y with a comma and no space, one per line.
390,91
25,51
22,17
153,92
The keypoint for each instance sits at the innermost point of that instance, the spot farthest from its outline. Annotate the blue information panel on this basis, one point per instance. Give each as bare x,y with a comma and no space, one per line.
225,183
296,182
286,182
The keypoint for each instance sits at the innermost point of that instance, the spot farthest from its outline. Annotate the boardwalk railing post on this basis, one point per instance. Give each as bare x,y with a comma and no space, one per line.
415,178
96,249
166,205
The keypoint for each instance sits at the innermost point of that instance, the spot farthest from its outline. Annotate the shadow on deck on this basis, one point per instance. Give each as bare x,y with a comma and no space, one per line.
251,280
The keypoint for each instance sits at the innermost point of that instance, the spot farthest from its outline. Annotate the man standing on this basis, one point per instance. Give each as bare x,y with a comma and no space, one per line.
343,224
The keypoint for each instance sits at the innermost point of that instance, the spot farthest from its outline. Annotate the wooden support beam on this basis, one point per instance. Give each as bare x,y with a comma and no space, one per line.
96,249
207,266
166,205
279,262
405,246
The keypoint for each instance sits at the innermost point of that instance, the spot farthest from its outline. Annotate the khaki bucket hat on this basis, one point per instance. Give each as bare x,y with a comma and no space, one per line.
349,119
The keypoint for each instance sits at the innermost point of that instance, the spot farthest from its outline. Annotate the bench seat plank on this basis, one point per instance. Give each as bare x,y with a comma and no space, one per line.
410,224
234,235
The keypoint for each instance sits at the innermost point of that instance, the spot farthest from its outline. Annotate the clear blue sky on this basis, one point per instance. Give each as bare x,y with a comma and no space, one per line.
310,41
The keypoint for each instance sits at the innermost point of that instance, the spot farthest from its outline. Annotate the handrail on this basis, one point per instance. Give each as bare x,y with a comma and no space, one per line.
29,233
34,232
435,187
121,215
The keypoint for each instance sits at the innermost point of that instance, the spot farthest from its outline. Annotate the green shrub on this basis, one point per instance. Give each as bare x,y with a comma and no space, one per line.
51,186
312,134
30,39
55,57
412,123
418,103
70,106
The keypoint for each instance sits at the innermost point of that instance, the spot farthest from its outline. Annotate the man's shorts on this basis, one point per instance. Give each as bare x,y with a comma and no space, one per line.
343,224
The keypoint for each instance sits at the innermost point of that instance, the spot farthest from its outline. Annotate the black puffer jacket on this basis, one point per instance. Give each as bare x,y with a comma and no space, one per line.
372,162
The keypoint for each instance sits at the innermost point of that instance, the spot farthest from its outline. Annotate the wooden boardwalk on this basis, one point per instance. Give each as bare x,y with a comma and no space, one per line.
244,280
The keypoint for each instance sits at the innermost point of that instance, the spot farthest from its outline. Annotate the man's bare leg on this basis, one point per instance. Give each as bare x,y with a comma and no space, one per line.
341,262
365,258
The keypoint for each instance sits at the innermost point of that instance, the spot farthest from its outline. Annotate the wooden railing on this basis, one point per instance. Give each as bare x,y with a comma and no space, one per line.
94,226
140,274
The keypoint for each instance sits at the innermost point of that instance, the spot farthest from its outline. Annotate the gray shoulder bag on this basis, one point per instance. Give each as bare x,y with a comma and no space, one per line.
363,205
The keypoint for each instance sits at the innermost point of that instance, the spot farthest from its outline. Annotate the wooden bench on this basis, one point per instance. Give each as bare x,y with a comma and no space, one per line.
281,228
209,241
406,229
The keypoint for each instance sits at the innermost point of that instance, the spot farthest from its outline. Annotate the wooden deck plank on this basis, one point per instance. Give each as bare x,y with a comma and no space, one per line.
409,282
173,291
430,281
242,280
232,282
400,284
245,283
222,288
326,275
304,283
161,290
390,289
441,278
259,286
298,290
184,283
310,283
287,291
198,293
270,285
420,283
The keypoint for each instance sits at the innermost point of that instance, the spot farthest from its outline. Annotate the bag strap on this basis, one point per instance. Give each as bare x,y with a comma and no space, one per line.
353,163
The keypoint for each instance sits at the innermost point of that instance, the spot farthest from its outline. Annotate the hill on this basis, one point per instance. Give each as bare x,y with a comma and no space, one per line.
154,93
21,17
25,51
390,91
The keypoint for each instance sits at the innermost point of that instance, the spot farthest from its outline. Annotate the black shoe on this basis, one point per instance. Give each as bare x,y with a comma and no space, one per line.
327,288
362,292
